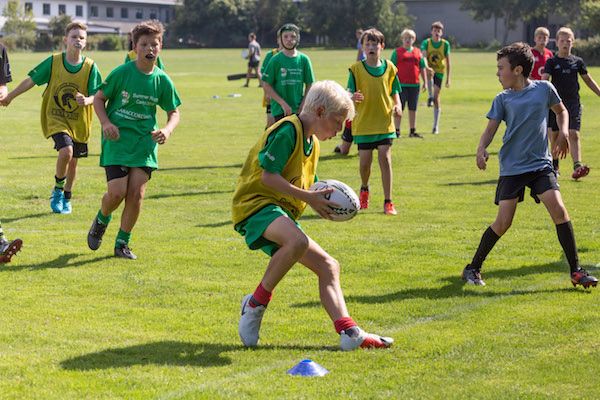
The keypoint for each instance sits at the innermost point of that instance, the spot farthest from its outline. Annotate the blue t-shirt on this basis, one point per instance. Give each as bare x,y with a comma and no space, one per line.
525,142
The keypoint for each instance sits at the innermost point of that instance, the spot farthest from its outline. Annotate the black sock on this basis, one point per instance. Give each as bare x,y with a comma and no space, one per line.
576,165
60,182
413,130
488,240
68,195
555,164
566,237
364,188
387,201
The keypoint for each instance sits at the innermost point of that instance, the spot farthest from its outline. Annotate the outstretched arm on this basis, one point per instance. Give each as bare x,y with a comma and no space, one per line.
486,138
591,83
22,88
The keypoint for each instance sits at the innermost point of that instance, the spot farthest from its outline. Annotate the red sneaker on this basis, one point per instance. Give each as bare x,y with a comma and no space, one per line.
580,172
583,278
389,209
353,338
9,250
363,198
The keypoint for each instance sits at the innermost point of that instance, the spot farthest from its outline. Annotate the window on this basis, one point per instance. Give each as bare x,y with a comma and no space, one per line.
93,11
139,13
153,14
62,9
124,12
28,7
46,8
79,11
109,12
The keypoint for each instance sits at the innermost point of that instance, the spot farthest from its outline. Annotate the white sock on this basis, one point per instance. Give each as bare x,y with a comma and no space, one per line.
436,118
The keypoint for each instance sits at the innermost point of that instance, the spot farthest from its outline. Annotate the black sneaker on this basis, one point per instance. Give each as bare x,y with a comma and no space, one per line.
415,135
583,278
95,234
9,249
472,276
430,102
123,251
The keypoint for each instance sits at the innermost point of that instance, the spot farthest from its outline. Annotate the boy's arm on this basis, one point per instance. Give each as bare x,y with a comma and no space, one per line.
545,76
111,132
161,135
83,100
287,110
22,88
561,144
484,142
448,70
315,199
587,78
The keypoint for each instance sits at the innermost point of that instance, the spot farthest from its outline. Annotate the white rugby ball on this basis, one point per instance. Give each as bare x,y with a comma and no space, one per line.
343,195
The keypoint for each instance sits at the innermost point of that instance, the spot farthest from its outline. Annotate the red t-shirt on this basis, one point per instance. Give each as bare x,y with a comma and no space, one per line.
539,62
408,64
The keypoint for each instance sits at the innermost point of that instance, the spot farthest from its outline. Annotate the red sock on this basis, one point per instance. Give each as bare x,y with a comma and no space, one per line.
261,296
343,323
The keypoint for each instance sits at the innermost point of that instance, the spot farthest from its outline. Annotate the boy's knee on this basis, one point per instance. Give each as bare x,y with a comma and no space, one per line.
115,195
66,151
333,267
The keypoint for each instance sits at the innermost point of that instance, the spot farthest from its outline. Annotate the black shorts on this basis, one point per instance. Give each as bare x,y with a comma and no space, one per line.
574,109
410,94
61,140
269,108
437,80
513,186
374,145
253,63
119,171
347,134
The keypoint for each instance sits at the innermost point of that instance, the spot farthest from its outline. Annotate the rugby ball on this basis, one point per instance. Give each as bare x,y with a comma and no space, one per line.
343,195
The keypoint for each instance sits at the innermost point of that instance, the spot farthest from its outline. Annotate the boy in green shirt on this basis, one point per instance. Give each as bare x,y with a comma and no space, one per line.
131,134
71,82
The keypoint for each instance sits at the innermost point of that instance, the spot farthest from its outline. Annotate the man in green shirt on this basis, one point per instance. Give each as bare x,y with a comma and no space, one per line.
131,134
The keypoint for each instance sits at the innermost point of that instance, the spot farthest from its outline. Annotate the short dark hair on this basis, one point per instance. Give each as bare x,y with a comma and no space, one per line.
437,24
374,35
149,27
518,53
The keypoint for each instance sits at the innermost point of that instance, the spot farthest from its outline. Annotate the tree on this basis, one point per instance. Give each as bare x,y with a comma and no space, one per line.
590,16
58,25
19,24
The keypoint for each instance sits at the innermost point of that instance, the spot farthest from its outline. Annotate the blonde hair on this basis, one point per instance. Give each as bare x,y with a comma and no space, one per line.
408,32
332,97
565,31
75,25
541,29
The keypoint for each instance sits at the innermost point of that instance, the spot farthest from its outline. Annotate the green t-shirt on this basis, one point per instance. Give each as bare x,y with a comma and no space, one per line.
287,76
132,99
268,57
279,147
396,89
40,75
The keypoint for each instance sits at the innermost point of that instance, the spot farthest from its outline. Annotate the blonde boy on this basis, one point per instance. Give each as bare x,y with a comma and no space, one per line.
126,107
71,82
272,193
540,53
564,68
375,87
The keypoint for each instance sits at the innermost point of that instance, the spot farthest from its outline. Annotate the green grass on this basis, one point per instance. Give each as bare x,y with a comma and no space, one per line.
81,324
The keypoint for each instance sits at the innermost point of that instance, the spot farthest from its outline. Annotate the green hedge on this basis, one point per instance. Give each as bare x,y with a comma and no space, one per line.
589,50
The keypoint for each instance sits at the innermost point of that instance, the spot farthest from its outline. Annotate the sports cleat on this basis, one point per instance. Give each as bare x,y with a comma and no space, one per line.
66,207
123,251
250,320
9,249
580,172
583,278
337,149
415,135
95,234
353,338
363,199
435,131
56,200
430,102
398,135
389,209
472,276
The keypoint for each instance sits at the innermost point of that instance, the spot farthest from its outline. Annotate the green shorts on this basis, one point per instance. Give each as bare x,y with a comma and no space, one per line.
255,225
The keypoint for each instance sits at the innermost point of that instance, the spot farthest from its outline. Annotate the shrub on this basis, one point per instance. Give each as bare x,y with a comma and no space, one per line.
588,49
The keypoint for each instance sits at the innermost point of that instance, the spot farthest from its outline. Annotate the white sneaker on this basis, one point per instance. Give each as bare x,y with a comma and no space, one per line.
250,322
355,337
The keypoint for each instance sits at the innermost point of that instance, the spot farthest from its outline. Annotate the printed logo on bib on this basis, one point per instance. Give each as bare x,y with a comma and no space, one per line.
64,98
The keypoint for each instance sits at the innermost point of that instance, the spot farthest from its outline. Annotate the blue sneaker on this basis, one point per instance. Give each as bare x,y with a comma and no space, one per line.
56,200
66,207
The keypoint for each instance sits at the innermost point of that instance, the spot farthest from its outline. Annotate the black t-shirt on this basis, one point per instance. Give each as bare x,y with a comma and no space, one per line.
4,67
564,75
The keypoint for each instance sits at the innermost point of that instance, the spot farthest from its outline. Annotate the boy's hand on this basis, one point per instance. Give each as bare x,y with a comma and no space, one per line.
160,136
81,99
5,100
3,92
287,110
316,199
561,147
398,110
111,132
447,83
357,97
482,157
424,88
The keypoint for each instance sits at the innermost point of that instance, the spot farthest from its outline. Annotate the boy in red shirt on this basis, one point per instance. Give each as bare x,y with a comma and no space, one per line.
540,53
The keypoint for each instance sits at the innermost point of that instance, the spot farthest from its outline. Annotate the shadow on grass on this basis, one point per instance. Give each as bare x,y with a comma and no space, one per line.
63,261
337,156
471,183
200,167
187,194
452,156
169,353
9,220
44,157
214,224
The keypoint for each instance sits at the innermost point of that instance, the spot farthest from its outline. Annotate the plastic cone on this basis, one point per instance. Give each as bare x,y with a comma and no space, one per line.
307,368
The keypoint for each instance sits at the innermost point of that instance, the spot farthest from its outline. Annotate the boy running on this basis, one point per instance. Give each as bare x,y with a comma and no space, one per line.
437,52
132,55
563,68
524,157
375,87
71,82
540,53
126,107
272,193
289,75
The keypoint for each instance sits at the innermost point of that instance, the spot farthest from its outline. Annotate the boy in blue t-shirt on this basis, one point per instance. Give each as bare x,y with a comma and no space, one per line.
524,157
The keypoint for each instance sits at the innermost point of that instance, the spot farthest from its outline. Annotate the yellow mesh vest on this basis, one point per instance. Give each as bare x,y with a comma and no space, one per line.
251,194
436,58
374,114
132,55
60,111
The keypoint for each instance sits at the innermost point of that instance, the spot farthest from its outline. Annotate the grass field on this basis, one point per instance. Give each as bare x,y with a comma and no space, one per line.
81,324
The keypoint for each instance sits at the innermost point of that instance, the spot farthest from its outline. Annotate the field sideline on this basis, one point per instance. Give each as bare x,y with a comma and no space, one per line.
81,324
